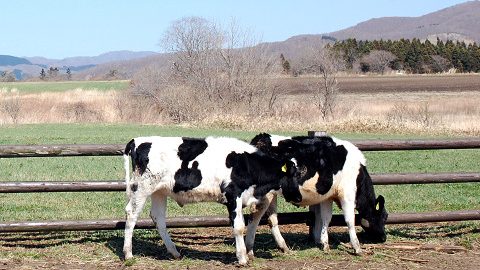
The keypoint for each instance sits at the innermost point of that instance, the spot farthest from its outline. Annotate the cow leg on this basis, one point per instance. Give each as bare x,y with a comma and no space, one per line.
326,217
133,209
158,215
317,222
238,223
349,215
268,207
256,215
273,223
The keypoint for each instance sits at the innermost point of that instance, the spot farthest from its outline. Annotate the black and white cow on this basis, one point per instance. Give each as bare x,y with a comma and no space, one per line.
193,170
330,169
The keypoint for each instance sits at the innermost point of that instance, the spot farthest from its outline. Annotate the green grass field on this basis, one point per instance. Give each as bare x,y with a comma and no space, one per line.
42,206
204,247
37,87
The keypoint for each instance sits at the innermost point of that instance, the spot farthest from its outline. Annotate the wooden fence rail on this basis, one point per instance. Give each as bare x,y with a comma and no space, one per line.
65,150
91,186
14,151
223,221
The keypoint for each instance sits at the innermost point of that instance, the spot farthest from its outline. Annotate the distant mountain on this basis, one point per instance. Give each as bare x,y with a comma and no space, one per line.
460,22
31,66
90,60
125,69
7,60
296,46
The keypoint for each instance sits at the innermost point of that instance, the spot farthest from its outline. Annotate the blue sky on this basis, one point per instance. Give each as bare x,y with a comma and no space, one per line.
59,28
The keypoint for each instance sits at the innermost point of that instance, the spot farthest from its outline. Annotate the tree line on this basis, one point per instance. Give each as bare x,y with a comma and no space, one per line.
412,56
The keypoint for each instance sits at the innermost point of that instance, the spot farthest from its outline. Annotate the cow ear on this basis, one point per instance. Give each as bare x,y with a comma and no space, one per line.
380,203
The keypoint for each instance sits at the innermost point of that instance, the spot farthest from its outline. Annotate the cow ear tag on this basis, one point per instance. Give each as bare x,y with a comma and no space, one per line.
377,206
284,168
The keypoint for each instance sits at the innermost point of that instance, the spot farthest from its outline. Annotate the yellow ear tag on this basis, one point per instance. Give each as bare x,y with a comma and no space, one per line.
284,168
377,206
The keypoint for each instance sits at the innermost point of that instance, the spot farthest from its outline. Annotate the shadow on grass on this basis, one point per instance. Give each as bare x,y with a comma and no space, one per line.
200,244
216,244
51,239
430,231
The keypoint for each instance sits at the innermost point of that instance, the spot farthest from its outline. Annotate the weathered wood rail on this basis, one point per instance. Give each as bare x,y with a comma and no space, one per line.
67,150
15,151
223,221
106,186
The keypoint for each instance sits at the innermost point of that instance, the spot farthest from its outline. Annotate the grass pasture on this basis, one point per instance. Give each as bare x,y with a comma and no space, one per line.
214,248
39,87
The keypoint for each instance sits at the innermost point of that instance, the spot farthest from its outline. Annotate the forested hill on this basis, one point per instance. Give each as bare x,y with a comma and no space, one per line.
413,56
460,22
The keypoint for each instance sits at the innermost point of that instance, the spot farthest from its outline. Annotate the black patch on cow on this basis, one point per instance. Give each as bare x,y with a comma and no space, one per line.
188,178
318,155
335,157
139,156
191,148
265,172
130,150
129,147
263,142
366,205
365,196
134,187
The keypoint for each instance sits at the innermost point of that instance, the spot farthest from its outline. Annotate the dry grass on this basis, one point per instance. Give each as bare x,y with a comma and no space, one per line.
405,112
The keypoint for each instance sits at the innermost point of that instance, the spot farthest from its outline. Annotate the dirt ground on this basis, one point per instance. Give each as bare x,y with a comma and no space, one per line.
433,246
391,84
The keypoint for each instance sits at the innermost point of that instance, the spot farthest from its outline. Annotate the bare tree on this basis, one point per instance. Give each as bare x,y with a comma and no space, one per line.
53,73
12,107
326,65
378,60
223,64
7,76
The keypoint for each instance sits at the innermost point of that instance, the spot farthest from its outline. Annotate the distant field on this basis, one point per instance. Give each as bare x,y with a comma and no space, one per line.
392,84
38,87
293,85
415,104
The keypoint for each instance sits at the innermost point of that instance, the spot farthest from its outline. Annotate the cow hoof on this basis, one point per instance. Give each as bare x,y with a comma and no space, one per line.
250,255
128,256
359,252
285,250
325,248
241,264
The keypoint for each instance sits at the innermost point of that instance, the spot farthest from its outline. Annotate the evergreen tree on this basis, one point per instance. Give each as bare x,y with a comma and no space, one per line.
414,56
69,74
285,64
43,75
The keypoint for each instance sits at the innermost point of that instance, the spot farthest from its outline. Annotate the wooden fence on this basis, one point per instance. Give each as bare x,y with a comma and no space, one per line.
15,151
